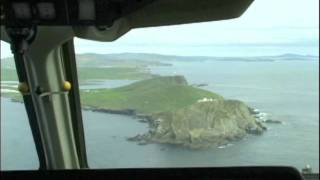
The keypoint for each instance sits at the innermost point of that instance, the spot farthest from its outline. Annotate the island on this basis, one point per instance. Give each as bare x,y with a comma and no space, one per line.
177,113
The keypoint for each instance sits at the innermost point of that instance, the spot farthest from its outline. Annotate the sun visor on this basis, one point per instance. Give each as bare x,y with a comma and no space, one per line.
107,20
166,12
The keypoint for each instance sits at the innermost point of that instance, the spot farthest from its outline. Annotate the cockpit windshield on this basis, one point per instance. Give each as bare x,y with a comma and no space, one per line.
227,93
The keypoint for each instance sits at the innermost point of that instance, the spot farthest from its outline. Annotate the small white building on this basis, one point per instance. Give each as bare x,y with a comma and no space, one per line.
205,100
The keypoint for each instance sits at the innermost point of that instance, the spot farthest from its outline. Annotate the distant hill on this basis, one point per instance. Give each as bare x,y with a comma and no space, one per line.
145,59
283,57
107,60
296,57
125,59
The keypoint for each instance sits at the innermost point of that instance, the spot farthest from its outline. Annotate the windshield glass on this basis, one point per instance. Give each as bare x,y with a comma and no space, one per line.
229,93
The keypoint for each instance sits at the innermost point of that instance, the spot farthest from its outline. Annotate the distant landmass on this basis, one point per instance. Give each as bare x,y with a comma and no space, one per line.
134,66
159,59
145,59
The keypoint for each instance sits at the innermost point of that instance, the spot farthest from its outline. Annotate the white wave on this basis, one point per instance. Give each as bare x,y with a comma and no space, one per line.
256,110
225,145
263,114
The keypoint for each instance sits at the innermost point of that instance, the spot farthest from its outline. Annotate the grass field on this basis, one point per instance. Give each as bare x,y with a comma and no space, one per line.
147,96
130,73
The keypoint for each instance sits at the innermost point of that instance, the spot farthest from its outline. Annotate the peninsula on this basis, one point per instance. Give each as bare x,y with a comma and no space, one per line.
177,113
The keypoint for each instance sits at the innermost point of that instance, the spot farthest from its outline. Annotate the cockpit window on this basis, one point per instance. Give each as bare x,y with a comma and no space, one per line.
240,92
229,93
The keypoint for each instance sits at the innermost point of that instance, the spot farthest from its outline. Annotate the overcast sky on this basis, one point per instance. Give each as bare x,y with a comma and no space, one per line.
268,27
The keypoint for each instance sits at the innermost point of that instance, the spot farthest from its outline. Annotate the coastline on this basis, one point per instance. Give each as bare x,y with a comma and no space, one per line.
151,135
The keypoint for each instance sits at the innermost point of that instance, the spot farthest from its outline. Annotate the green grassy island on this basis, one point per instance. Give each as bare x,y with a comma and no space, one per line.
177,112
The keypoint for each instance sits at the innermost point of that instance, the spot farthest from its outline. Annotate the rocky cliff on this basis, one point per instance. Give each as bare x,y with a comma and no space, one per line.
203,124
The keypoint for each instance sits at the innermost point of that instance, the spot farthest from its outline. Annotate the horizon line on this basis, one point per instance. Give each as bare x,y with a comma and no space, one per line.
161,54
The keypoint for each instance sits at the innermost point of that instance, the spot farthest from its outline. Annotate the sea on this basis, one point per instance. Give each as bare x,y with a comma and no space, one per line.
287,91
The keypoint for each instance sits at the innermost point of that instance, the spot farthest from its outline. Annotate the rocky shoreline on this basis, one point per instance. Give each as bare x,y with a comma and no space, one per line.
262,117
199,135
126,112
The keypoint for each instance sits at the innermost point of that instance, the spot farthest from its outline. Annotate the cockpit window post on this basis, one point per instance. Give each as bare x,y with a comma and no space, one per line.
21,38
49,96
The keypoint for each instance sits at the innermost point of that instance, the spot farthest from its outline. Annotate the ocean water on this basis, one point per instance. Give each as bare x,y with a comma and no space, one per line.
286,91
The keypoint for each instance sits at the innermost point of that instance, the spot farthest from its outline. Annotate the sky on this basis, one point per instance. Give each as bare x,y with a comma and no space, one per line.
268,27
